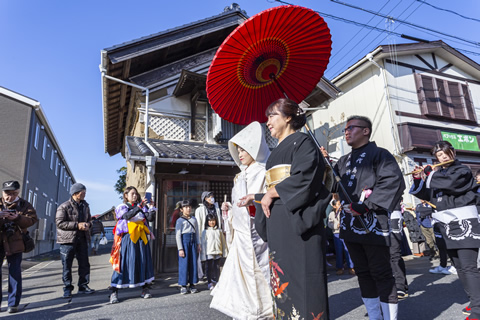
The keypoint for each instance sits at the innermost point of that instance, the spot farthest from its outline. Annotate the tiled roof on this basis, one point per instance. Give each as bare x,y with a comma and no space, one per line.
179,150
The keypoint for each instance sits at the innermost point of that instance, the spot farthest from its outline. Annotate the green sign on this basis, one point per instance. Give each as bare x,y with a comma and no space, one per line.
461,141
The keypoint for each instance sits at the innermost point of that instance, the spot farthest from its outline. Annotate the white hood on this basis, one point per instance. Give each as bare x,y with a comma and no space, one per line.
252,140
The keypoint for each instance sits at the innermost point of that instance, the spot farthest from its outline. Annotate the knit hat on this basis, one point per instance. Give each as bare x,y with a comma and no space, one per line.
206,194
10,185
77,187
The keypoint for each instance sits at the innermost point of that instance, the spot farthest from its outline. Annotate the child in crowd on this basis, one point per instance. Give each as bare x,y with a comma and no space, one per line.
213,248
188,243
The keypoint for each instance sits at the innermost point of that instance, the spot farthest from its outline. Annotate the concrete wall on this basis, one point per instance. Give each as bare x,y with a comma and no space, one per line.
362,95
14,133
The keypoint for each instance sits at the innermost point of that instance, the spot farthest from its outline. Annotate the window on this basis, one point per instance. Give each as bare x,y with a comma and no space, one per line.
444,99
420,161
61,174
47,209
52,155
56,167
30,195
37,136
65,178
44,150
34,202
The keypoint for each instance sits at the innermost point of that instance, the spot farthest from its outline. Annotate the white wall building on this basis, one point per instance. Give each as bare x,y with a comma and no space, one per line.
415,94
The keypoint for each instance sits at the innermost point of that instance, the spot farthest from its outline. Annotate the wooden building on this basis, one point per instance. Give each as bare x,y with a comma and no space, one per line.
157,115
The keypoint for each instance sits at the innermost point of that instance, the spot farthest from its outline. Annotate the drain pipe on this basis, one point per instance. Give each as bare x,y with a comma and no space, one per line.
389,103
147,95
149,161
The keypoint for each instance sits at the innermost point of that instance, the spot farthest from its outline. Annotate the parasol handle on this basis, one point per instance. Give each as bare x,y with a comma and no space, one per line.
274,78
335,174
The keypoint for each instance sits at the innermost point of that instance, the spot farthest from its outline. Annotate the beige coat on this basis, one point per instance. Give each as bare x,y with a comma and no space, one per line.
213,243
334,222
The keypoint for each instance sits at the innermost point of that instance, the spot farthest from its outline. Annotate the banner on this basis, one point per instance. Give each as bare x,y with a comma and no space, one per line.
461,141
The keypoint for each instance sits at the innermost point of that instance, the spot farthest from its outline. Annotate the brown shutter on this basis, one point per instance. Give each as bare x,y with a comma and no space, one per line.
431,95
443,97
468,103
456,98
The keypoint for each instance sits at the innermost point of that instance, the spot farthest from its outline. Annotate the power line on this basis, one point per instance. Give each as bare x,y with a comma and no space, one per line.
323,14
348,42
447,10
406,22
360,52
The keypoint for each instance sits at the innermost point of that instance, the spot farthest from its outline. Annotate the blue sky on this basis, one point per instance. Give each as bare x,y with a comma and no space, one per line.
50,52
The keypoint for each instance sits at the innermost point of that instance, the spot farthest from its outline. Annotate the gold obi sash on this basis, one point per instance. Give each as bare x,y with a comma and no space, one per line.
276,175
138,230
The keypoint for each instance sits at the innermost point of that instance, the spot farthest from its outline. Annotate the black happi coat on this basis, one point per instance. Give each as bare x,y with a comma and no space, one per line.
449,188
295,232
374,168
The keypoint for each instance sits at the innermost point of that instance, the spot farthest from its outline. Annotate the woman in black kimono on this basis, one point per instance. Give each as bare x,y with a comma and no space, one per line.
451,190
292,223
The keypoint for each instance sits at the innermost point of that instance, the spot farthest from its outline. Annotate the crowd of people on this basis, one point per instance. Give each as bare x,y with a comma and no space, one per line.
271,239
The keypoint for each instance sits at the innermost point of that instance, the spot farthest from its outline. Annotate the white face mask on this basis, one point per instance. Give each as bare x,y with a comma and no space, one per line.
211,200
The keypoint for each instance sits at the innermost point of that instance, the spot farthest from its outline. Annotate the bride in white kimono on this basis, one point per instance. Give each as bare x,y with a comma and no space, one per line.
243,290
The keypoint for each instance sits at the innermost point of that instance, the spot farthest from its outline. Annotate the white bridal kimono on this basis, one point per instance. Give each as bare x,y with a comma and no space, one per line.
243,290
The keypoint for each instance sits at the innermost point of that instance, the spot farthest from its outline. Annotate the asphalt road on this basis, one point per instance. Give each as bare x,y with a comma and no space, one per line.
431,296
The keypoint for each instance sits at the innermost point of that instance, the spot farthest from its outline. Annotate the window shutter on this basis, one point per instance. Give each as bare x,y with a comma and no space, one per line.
431,95
468,103
443,97
456,98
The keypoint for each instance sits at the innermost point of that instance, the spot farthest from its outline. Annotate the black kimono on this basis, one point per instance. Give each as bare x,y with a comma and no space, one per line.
365,169
373,168
295,232
447,189
453,192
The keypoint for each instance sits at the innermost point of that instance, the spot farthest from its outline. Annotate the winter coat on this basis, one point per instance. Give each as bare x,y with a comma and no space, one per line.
414,230
213,243
97,227
27,217
67,222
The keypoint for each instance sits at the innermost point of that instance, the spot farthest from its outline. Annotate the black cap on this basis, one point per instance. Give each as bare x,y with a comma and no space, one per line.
10,185
185,203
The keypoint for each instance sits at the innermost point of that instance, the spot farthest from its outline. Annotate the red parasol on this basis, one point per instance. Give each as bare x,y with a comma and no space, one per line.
289,45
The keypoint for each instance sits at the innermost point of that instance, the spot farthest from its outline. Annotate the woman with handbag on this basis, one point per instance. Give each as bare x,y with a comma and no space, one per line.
16,216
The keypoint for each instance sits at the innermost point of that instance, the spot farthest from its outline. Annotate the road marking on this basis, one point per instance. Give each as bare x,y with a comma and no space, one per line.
30,271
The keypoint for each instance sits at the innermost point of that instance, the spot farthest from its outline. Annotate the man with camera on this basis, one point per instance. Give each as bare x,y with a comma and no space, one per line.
16,216
73,223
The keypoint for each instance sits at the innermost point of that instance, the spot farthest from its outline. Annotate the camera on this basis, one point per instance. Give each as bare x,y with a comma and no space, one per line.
9,227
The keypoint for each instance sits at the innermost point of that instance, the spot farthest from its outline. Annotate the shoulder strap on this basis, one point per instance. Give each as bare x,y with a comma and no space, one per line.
189,223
